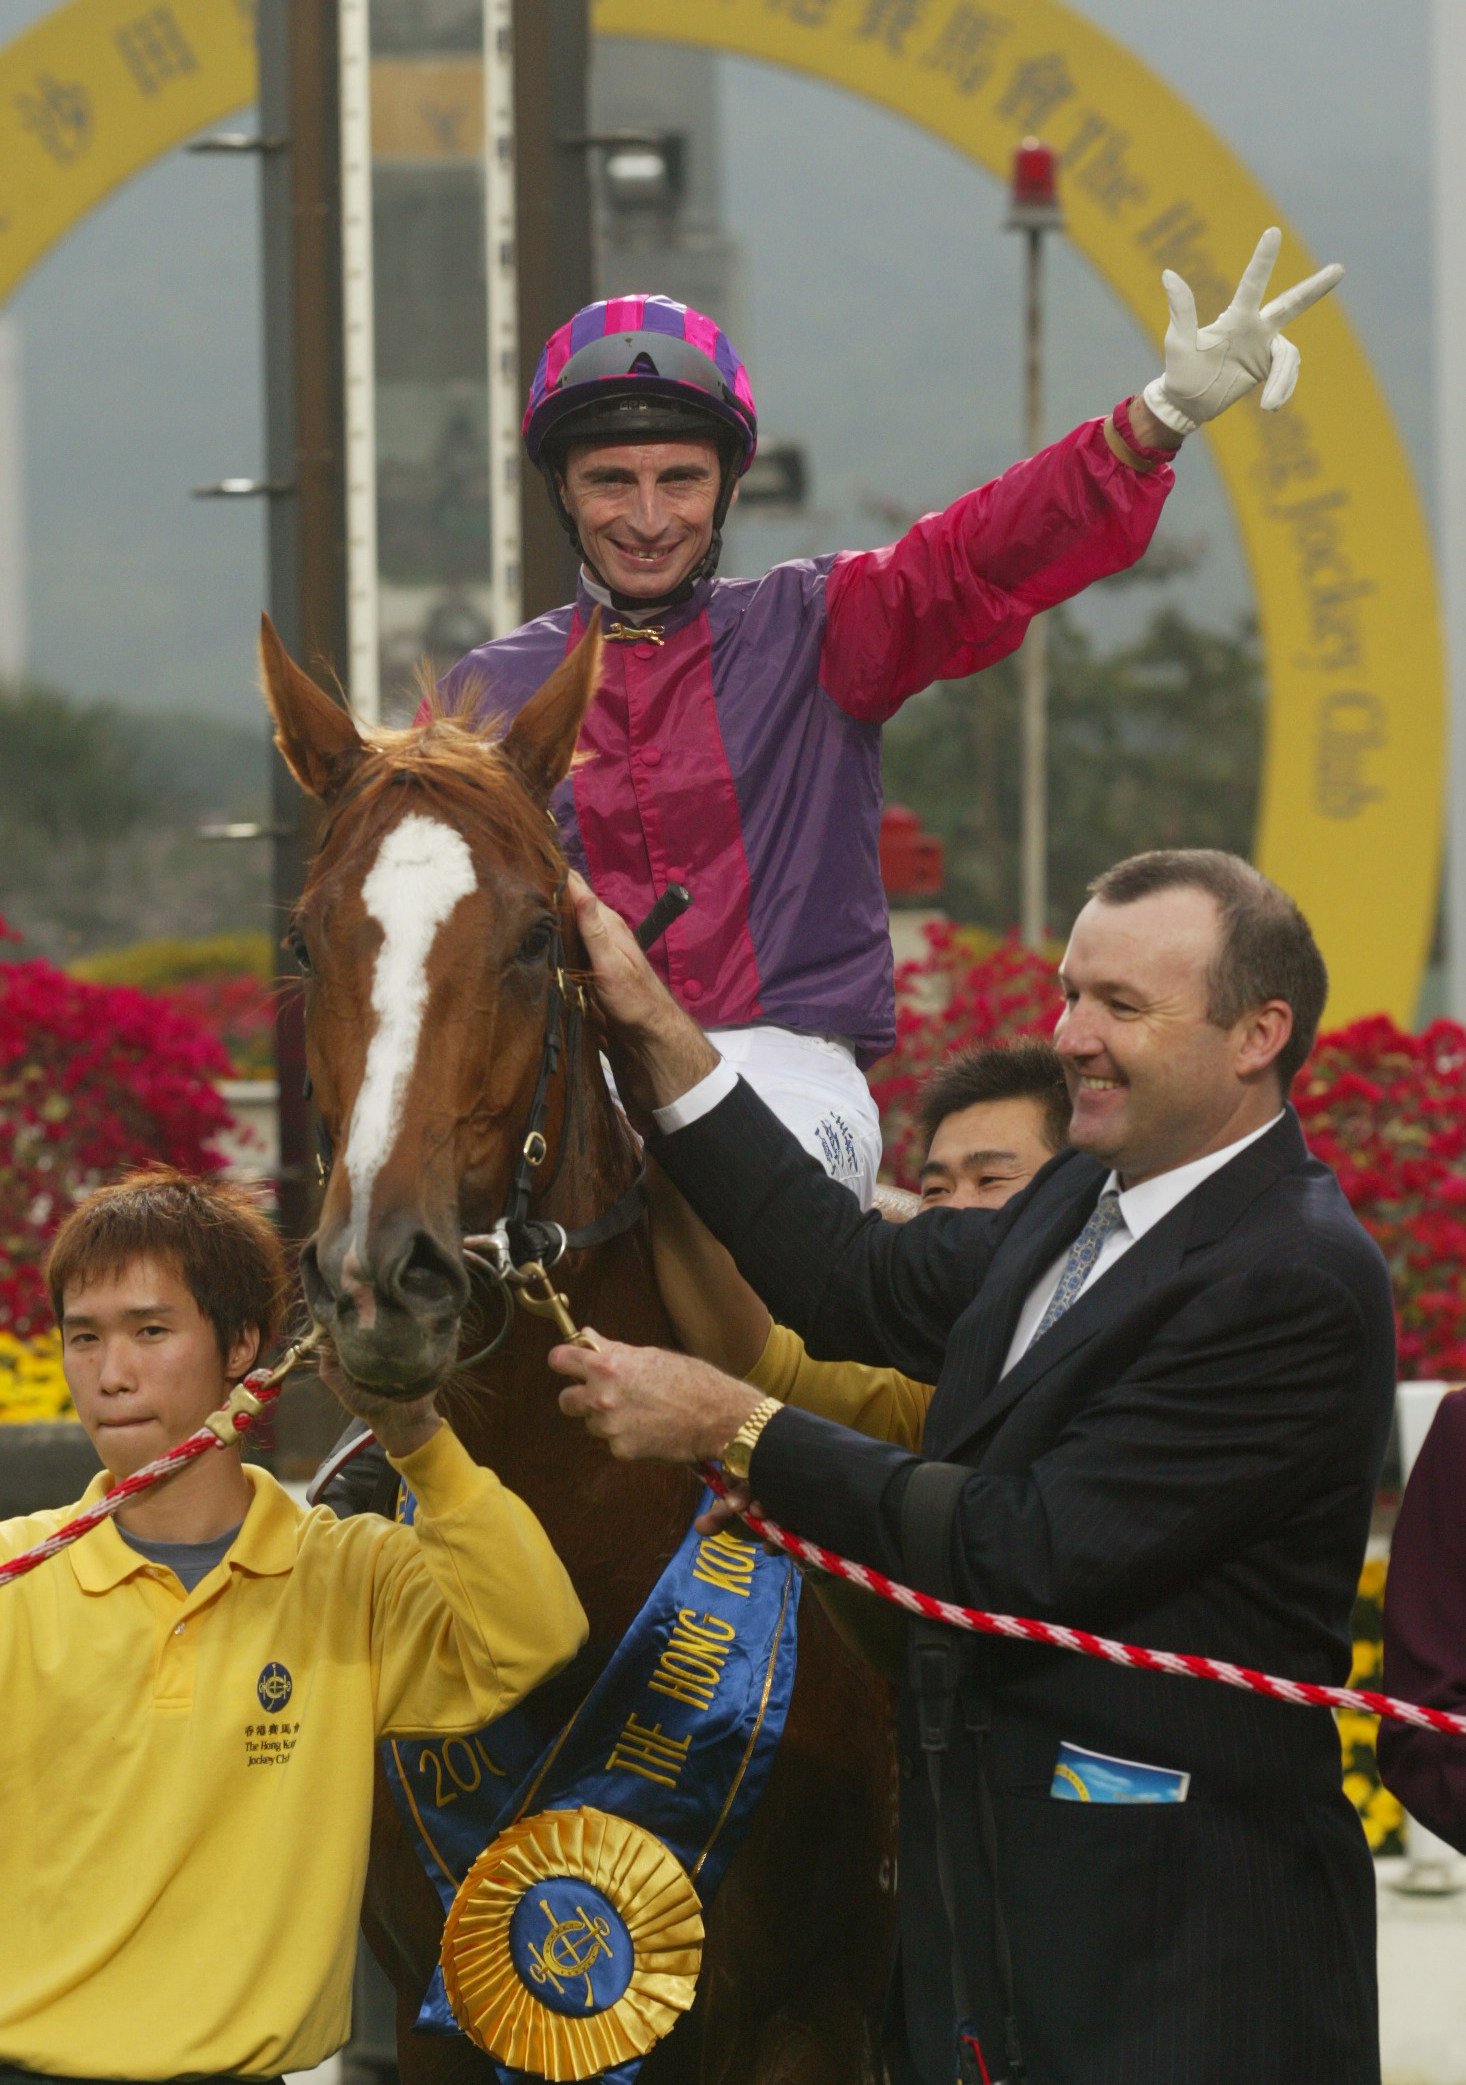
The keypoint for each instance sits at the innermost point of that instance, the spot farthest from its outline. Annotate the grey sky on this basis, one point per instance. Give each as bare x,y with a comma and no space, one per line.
141,332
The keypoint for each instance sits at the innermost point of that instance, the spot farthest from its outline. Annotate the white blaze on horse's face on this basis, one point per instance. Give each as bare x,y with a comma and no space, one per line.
421,871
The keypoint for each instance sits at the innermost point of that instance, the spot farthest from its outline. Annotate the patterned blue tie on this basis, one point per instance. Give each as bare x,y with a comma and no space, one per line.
1082,1255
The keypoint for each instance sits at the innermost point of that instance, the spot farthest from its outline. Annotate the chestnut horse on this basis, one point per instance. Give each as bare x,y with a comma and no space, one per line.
425,934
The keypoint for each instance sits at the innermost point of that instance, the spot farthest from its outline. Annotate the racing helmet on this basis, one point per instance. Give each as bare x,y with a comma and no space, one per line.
641,369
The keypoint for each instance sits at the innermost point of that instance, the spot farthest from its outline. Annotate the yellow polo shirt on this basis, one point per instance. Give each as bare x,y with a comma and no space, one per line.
186,1778
880,1402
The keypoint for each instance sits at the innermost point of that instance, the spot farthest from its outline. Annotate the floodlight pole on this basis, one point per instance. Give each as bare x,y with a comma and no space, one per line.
1034,210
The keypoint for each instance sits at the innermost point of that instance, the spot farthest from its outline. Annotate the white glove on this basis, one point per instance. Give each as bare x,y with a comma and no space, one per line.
1209,369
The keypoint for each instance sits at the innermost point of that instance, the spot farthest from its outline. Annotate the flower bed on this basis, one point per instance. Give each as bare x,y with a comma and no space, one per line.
224,983
93,1079
1387,1111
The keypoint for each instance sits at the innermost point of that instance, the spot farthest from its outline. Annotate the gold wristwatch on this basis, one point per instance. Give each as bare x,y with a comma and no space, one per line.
739,1451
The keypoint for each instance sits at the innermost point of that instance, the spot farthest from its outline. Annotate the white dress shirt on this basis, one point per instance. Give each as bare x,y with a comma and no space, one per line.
698,1100
1141,1209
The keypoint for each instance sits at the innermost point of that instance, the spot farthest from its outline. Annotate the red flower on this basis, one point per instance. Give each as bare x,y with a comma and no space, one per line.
93,1079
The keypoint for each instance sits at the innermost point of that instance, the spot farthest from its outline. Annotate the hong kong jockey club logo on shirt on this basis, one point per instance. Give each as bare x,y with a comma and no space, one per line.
274,1688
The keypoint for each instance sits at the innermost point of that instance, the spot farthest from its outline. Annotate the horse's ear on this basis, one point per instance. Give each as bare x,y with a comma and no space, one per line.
541,740
318,738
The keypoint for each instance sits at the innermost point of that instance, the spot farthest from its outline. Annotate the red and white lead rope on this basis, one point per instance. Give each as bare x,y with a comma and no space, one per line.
1184,1665
221,1429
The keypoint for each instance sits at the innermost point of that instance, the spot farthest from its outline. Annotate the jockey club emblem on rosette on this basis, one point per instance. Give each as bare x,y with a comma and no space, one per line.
575,1881
573,1945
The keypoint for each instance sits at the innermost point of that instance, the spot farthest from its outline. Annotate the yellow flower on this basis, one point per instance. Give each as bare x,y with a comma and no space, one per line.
1359,1788
1356,1731
1382,1817
32,1384
1368,1662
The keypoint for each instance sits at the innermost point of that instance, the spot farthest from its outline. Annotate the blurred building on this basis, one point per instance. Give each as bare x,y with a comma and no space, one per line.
658,192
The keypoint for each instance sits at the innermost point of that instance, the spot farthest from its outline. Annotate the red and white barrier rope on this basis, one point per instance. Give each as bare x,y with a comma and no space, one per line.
1184,1665
221,1429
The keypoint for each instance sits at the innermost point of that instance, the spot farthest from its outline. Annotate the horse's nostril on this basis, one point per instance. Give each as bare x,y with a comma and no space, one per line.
427,1277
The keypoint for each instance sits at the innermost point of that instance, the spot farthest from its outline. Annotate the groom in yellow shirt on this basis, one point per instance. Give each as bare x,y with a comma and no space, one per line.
195,1689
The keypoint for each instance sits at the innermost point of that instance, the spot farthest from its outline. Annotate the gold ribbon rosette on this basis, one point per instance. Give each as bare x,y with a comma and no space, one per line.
573,1944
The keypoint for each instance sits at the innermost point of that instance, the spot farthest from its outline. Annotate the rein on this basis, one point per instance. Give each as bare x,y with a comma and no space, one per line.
519,1251
222,1429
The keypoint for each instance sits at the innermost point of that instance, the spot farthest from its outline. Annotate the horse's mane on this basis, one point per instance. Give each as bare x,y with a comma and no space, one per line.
462,765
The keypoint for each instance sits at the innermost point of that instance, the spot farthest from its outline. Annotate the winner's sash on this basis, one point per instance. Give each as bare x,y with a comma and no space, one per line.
575,1879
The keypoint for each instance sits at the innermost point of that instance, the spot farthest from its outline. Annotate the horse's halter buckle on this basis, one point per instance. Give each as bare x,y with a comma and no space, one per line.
527,1282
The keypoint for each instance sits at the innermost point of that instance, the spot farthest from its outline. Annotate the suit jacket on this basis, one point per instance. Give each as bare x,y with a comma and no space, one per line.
1425,1629
1187,1459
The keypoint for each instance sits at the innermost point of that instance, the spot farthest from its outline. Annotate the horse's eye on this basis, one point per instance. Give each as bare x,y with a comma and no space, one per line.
536,943
295,942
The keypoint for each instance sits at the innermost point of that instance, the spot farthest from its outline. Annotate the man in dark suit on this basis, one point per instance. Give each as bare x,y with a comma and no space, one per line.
1164,1380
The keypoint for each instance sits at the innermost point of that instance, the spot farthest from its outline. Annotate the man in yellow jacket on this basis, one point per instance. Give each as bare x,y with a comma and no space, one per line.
193,1691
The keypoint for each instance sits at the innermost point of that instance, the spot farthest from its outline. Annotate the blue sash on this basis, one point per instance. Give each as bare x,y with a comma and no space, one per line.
676,1737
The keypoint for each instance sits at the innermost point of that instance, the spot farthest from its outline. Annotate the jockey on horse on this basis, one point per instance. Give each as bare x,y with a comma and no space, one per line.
735,743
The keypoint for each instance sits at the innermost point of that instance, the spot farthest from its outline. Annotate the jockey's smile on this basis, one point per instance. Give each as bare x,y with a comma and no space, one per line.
643,511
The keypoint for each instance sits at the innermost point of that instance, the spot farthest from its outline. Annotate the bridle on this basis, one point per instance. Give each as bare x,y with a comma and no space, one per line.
517,1253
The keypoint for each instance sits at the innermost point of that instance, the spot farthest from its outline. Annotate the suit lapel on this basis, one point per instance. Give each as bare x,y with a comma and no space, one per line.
1050,1226
970,1405
1151,1261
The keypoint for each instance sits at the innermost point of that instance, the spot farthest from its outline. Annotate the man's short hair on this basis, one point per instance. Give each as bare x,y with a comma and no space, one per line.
224,1249
998,1071
1267,947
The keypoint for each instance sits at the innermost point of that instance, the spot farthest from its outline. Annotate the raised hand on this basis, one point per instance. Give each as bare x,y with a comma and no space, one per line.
1209,367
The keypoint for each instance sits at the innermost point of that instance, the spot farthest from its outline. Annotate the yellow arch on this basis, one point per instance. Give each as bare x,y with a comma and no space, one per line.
1323,494
95,92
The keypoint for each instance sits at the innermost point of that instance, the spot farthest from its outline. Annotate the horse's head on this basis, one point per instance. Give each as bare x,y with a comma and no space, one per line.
425,934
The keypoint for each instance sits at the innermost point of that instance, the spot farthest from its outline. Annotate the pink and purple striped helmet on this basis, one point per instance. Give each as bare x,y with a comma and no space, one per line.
640,369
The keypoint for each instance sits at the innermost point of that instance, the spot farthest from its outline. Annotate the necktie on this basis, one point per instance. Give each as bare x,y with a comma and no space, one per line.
1082,1255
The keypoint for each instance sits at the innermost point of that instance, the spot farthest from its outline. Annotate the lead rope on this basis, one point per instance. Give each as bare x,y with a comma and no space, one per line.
244,1404
1180,1664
